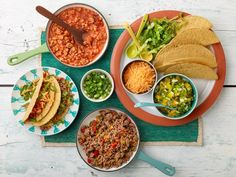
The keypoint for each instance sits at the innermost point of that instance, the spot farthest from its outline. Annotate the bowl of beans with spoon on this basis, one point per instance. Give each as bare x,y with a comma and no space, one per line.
73,50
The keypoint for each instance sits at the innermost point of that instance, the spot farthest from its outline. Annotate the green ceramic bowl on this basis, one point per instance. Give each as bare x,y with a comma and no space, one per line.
195,95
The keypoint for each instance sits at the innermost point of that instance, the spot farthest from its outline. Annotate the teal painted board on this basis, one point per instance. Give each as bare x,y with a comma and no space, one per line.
148,132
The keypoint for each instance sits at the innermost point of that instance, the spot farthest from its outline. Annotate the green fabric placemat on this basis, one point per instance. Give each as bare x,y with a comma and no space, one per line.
185,134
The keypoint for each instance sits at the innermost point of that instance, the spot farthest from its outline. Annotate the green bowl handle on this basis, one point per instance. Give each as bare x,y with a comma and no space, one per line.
163,167
20,57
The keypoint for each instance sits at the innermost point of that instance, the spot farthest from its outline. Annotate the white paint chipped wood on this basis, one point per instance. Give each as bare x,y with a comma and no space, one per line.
19,25
21,153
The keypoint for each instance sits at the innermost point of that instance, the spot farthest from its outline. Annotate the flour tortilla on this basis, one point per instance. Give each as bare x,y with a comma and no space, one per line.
191,21
200,36
193,70
54,106
33,99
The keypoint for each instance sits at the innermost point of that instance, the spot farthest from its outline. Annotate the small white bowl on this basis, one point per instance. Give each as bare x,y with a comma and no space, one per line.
121,77
101,71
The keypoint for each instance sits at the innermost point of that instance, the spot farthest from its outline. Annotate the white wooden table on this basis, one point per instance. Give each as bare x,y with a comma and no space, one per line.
21,153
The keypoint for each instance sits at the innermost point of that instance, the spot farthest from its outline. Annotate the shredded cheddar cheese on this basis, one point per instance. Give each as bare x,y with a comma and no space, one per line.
139,77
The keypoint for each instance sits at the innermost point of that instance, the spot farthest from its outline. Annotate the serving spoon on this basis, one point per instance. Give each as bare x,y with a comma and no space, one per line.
143,104
145,55
77,34
131,50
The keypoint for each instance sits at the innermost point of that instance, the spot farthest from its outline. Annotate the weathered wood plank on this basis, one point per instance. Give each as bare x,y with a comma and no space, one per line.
19,31
22,155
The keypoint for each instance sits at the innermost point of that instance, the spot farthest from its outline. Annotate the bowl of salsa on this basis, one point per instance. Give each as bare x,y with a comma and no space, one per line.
61,43
176,91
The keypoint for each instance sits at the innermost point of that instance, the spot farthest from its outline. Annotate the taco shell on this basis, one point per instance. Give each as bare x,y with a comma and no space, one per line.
55,118
33,99
54,106
191,21
193,70
197,60
47,106
200,36
190,53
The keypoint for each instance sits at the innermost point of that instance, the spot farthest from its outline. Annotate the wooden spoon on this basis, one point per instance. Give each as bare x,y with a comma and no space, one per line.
78,34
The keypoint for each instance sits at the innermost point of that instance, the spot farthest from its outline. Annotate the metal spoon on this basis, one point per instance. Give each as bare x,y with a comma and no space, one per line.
78,34
143,104
131,50
144,54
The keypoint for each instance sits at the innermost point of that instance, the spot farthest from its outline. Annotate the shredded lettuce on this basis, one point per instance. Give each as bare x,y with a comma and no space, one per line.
156,34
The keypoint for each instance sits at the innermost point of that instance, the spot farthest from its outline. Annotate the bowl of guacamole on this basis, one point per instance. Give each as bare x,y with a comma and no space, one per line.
175,91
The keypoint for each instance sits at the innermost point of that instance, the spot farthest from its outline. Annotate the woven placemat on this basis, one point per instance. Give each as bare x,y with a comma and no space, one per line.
188,134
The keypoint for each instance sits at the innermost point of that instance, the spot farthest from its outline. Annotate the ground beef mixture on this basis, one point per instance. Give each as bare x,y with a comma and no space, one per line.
109,140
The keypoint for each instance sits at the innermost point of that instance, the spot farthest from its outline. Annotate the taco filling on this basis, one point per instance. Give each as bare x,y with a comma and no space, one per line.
28,89
44,100
30,93
48,100
66,102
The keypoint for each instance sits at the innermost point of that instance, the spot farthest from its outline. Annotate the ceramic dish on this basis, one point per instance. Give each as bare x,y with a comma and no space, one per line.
97,71
18,58
126,66
195,95
17,102
208,90
75,5
137,154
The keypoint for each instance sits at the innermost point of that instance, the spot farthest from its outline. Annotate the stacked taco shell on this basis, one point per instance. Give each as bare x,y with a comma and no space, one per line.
188,52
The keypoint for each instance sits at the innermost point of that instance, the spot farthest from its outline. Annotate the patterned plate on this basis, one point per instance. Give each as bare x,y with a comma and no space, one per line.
17,101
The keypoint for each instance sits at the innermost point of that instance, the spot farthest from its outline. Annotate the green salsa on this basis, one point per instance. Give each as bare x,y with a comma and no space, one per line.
175,92
97,85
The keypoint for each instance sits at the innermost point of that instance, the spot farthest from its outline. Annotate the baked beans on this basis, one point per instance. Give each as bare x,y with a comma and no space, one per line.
63,45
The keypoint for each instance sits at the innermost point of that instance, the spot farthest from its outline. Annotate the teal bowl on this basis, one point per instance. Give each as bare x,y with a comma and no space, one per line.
195,96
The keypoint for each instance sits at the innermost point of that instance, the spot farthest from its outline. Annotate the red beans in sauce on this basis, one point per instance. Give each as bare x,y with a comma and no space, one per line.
64,47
